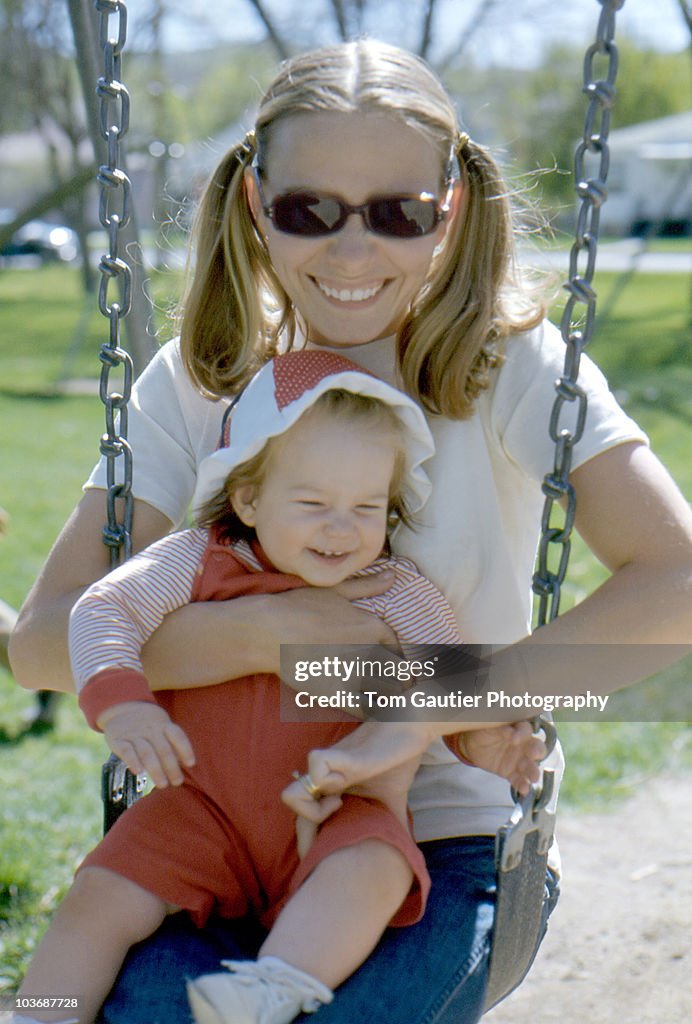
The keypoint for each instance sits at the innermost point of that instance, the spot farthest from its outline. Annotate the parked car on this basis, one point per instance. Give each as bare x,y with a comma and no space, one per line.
39,240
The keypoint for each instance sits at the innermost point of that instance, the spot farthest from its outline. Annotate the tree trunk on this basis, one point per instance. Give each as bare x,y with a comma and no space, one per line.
50,200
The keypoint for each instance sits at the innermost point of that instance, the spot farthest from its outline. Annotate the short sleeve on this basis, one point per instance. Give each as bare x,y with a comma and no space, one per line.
523,399
171,428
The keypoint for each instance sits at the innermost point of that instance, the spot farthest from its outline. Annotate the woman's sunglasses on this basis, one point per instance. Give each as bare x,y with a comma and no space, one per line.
311,214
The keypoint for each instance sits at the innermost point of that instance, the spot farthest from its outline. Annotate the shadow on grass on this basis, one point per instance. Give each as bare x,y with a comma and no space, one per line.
663,385
37,722
16,899
49,394
10,738
641,399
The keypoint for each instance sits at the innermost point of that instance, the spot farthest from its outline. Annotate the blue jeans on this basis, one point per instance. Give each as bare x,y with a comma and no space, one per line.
433,972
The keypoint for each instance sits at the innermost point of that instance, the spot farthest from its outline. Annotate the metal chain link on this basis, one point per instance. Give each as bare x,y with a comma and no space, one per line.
532,812
114,119
578,316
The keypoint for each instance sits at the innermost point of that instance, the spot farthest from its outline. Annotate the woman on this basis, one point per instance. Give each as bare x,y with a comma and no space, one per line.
358,217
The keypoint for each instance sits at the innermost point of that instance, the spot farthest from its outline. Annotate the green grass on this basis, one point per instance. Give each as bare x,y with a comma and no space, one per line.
50,817
607,761
49,329
669,244
50,812
563,238
48,446
644,349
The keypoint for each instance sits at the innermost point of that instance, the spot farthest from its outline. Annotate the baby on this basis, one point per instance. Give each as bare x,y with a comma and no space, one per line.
322,460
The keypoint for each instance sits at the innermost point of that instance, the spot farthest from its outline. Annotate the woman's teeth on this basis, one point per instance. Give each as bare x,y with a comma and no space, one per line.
348,295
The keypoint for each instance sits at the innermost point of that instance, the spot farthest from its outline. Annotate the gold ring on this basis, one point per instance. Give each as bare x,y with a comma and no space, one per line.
308,785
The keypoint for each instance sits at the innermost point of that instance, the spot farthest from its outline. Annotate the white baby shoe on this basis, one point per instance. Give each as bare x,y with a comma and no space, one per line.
266,991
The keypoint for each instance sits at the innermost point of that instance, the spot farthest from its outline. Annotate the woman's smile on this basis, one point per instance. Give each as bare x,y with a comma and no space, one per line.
343,293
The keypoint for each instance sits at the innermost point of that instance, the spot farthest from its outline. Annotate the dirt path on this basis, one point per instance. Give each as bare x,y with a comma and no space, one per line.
619,946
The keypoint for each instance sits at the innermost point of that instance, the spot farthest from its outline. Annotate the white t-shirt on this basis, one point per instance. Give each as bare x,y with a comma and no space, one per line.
477,536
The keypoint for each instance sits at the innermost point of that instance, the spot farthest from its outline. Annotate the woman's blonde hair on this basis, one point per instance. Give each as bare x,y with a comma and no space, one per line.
348,407
236,312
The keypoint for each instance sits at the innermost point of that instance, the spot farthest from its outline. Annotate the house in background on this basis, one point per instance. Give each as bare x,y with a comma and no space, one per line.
650,179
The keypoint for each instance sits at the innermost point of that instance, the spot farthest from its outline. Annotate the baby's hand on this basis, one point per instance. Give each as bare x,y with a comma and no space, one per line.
144,737
511,751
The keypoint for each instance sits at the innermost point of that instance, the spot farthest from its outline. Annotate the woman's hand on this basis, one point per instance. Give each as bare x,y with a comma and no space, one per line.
309,811
359,761
309,614
147,740
207,643
378,760
390,788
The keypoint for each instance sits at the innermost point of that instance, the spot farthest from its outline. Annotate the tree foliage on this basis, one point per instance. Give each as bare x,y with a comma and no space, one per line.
536,116
37,77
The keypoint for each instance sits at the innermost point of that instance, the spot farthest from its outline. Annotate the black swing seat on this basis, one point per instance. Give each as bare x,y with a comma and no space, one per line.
521,858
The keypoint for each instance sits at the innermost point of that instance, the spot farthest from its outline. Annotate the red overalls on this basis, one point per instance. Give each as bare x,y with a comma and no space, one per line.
224,841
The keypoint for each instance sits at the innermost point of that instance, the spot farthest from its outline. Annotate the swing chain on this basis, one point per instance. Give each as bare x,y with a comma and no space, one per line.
577,326
114,120
522,845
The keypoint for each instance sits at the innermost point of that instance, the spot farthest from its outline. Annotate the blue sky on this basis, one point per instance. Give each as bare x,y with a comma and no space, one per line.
657,23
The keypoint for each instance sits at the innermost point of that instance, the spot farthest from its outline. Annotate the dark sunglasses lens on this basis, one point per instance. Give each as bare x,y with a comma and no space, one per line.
403,217
304,214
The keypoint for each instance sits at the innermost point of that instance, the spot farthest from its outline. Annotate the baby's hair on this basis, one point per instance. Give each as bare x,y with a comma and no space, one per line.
235,310
351,408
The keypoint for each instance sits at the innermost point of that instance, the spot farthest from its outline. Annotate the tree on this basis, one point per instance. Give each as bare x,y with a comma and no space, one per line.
349,19
686,11
535,110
